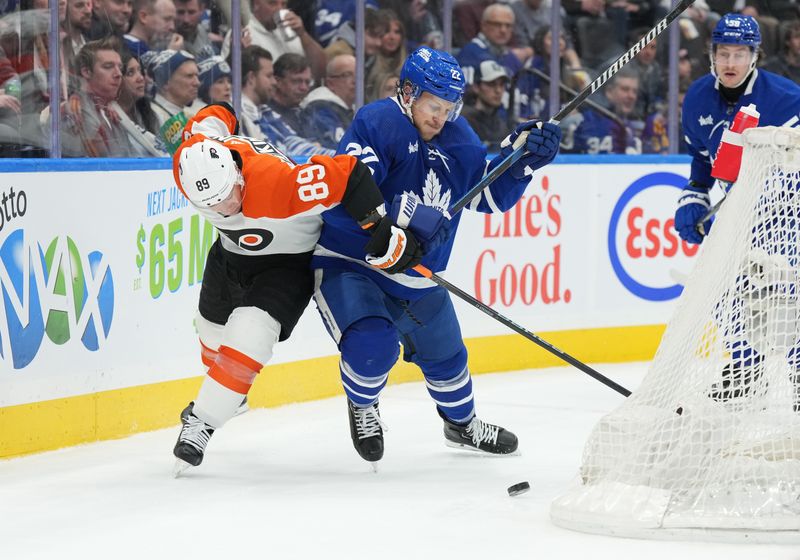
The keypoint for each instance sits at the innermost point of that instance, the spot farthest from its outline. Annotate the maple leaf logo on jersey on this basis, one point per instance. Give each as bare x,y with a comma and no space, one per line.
706,120
432,193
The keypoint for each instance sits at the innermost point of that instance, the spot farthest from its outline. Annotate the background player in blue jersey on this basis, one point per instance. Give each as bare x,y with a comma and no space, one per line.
424,157
709,108
713,101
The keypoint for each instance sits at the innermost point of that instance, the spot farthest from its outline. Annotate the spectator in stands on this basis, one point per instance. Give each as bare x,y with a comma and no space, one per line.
293,82
328,110
76,26
652,88
491,82
177,82
497,27
529,16
420,20
391,52
384,86
376,24
333,16
91,125
281,37
598,133
110,17
787,61
467,20
258,120
196,40
215,81
136,114
153,27
531,97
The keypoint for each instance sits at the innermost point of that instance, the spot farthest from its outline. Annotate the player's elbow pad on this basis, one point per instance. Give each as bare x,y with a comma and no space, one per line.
362,199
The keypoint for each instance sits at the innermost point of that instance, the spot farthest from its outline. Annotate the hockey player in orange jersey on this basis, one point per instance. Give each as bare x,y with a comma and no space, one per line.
257,279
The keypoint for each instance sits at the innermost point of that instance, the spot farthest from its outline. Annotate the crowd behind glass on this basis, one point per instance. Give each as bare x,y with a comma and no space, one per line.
132,71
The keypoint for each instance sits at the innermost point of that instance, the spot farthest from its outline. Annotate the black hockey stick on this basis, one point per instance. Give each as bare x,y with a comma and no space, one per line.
566,89
598,82
521,330
701,225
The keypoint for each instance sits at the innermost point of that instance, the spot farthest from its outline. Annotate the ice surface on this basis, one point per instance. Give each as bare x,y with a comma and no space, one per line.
286,483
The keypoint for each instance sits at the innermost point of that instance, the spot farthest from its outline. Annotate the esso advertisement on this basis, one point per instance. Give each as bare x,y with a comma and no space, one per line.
646,253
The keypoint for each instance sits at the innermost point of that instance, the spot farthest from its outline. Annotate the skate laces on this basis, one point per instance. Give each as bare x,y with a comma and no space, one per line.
195,432
368,422
481,431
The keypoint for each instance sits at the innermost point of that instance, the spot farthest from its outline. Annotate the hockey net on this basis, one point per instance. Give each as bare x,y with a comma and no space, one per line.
708,447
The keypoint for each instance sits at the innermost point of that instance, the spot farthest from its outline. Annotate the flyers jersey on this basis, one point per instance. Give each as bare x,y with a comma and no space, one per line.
282,201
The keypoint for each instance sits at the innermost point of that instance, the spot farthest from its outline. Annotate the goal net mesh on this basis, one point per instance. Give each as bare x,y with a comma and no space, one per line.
710,441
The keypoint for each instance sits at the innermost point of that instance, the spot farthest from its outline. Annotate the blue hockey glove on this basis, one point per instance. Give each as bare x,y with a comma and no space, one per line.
431,227
392,249
541,141
693,205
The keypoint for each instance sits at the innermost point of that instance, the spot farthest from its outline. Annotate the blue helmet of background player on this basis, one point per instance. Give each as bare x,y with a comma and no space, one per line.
436,72
736,30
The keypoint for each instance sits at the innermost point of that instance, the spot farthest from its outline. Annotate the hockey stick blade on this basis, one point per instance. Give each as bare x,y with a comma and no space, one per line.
521,330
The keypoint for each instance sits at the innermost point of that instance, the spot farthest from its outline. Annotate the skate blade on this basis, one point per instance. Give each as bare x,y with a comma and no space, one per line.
180,467
241,410
374,466
471,449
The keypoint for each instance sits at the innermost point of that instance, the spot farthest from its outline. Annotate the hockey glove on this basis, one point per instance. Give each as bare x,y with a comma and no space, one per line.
693,205
431,227
541,141
391,249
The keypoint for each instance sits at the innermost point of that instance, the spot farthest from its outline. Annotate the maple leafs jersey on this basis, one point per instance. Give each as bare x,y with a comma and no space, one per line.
706,114
436,173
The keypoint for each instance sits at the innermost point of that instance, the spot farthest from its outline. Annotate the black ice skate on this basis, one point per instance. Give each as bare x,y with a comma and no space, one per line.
478,435
192,441
366,429
738,382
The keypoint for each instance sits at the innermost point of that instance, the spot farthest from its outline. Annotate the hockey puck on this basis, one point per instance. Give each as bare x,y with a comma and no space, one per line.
519,488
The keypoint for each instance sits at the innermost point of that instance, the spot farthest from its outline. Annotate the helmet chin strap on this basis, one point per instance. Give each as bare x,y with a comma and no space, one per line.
753,61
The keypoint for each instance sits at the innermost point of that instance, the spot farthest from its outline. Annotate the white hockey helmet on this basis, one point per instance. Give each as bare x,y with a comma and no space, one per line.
208,172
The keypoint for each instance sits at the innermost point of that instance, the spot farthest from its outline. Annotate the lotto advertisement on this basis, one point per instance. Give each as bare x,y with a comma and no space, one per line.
100,271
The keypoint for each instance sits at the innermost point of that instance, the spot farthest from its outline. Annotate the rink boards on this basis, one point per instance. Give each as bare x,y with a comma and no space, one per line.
101,263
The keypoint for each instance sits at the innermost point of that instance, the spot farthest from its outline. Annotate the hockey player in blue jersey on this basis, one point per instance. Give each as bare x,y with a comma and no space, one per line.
424,157
708,109
713,101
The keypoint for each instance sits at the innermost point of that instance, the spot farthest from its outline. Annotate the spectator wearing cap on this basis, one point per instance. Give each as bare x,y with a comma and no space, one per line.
215,81
280,31
485,116
257,119
152,27
328,110
177,82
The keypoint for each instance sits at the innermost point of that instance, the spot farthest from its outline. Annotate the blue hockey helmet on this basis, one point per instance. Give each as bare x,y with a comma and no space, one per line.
737,29
436,72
